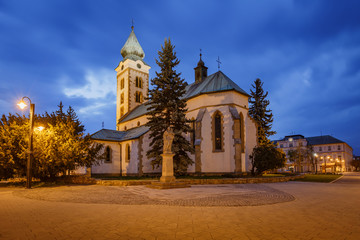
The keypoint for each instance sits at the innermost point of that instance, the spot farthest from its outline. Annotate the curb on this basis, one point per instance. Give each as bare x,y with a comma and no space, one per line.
200,181
336,179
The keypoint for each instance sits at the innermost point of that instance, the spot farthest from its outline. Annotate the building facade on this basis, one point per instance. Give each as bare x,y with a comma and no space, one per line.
328,154
223,134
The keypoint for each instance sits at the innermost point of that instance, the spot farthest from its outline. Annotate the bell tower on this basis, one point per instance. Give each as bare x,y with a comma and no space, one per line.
132,77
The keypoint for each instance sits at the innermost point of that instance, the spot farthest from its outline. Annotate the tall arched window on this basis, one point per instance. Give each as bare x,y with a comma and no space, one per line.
122,83
138,82
122,98
217,132
127,152
108,154
192,133
138,97
121,111
242,130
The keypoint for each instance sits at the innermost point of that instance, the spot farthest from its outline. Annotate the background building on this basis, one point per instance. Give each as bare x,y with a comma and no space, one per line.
320,153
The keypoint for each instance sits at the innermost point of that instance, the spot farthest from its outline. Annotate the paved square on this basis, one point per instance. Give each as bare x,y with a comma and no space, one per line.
318,211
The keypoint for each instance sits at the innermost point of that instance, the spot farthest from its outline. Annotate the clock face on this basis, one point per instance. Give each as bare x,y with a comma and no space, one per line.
138,65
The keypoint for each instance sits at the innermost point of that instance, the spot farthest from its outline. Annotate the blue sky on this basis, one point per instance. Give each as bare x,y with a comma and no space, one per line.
306,52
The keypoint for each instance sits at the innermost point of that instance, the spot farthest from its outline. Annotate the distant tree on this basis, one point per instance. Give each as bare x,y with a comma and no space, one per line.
355,164
167,108
266,157
259,111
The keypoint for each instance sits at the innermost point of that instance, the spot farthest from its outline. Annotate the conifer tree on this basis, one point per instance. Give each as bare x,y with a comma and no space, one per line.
265,155
167,108
260,113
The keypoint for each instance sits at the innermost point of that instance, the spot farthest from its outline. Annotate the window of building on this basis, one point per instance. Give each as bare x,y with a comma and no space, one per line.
122,83
138,123
329,148
290,145
217,132
127,152
281,145
138,97
192,132
107,154
242,133
320,149
122,98
138,82
121,111
339,148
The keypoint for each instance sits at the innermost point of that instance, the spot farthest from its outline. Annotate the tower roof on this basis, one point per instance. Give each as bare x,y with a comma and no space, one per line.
132,48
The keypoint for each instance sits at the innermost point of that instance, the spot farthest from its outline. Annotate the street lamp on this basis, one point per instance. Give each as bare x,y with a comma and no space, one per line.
316,162
22,105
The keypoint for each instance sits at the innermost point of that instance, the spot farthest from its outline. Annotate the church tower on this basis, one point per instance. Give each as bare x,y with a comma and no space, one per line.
132,77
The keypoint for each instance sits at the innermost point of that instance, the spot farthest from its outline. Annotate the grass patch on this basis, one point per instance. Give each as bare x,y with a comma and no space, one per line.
325,178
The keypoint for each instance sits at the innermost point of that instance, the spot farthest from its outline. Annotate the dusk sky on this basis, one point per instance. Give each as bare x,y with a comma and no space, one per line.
306,52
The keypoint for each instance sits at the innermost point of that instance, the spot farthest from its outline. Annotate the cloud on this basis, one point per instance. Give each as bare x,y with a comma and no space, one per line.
99,84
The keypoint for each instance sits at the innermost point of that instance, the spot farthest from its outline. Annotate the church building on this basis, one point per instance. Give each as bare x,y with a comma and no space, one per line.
223,134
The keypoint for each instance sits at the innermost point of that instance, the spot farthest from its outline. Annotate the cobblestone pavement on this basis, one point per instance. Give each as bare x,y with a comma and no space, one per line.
199,195
319,211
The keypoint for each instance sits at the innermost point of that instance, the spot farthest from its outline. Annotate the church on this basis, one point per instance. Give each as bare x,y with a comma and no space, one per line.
223,134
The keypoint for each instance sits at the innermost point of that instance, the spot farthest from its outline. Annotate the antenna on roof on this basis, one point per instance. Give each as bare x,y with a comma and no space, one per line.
102,124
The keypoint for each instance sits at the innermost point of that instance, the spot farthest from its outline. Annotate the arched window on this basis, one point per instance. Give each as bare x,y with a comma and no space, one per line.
122,98
108,154
122,83
217,132
138,82
242,130
138,97
127,152
192,133
121,111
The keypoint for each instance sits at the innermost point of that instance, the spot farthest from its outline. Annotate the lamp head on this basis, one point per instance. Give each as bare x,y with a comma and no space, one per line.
22,104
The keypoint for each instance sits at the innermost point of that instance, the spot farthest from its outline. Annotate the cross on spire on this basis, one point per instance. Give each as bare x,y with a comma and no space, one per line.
218,61
132,24
200,54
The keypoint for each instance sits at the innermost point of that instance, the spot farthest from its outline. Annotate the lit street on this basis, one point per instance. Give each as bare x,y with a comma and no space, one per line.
316,211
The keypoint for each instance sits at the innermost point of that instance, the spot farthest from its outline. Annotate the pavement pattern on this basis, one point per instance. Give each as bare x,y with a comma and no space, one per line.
313,211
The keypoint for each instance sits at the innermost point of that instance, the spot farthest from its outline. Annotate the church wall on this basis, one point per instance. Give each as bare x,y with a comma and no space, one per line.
219,98
250,135
112,167
130,167
222,161
133,123
147,168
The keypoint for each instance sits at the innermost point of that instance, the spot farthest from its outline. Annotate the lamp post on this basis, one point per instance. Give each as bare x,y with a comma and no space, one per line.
22,105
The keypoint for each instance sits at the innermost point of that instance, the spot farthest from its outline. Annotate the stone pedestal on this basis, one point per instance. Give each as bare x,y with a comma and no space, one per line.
167,180
167,168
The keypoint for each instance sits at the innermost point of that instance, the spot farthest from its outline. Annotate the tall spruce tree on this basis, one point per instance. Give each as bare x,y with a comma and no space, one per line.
260,113
265,155
167,108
